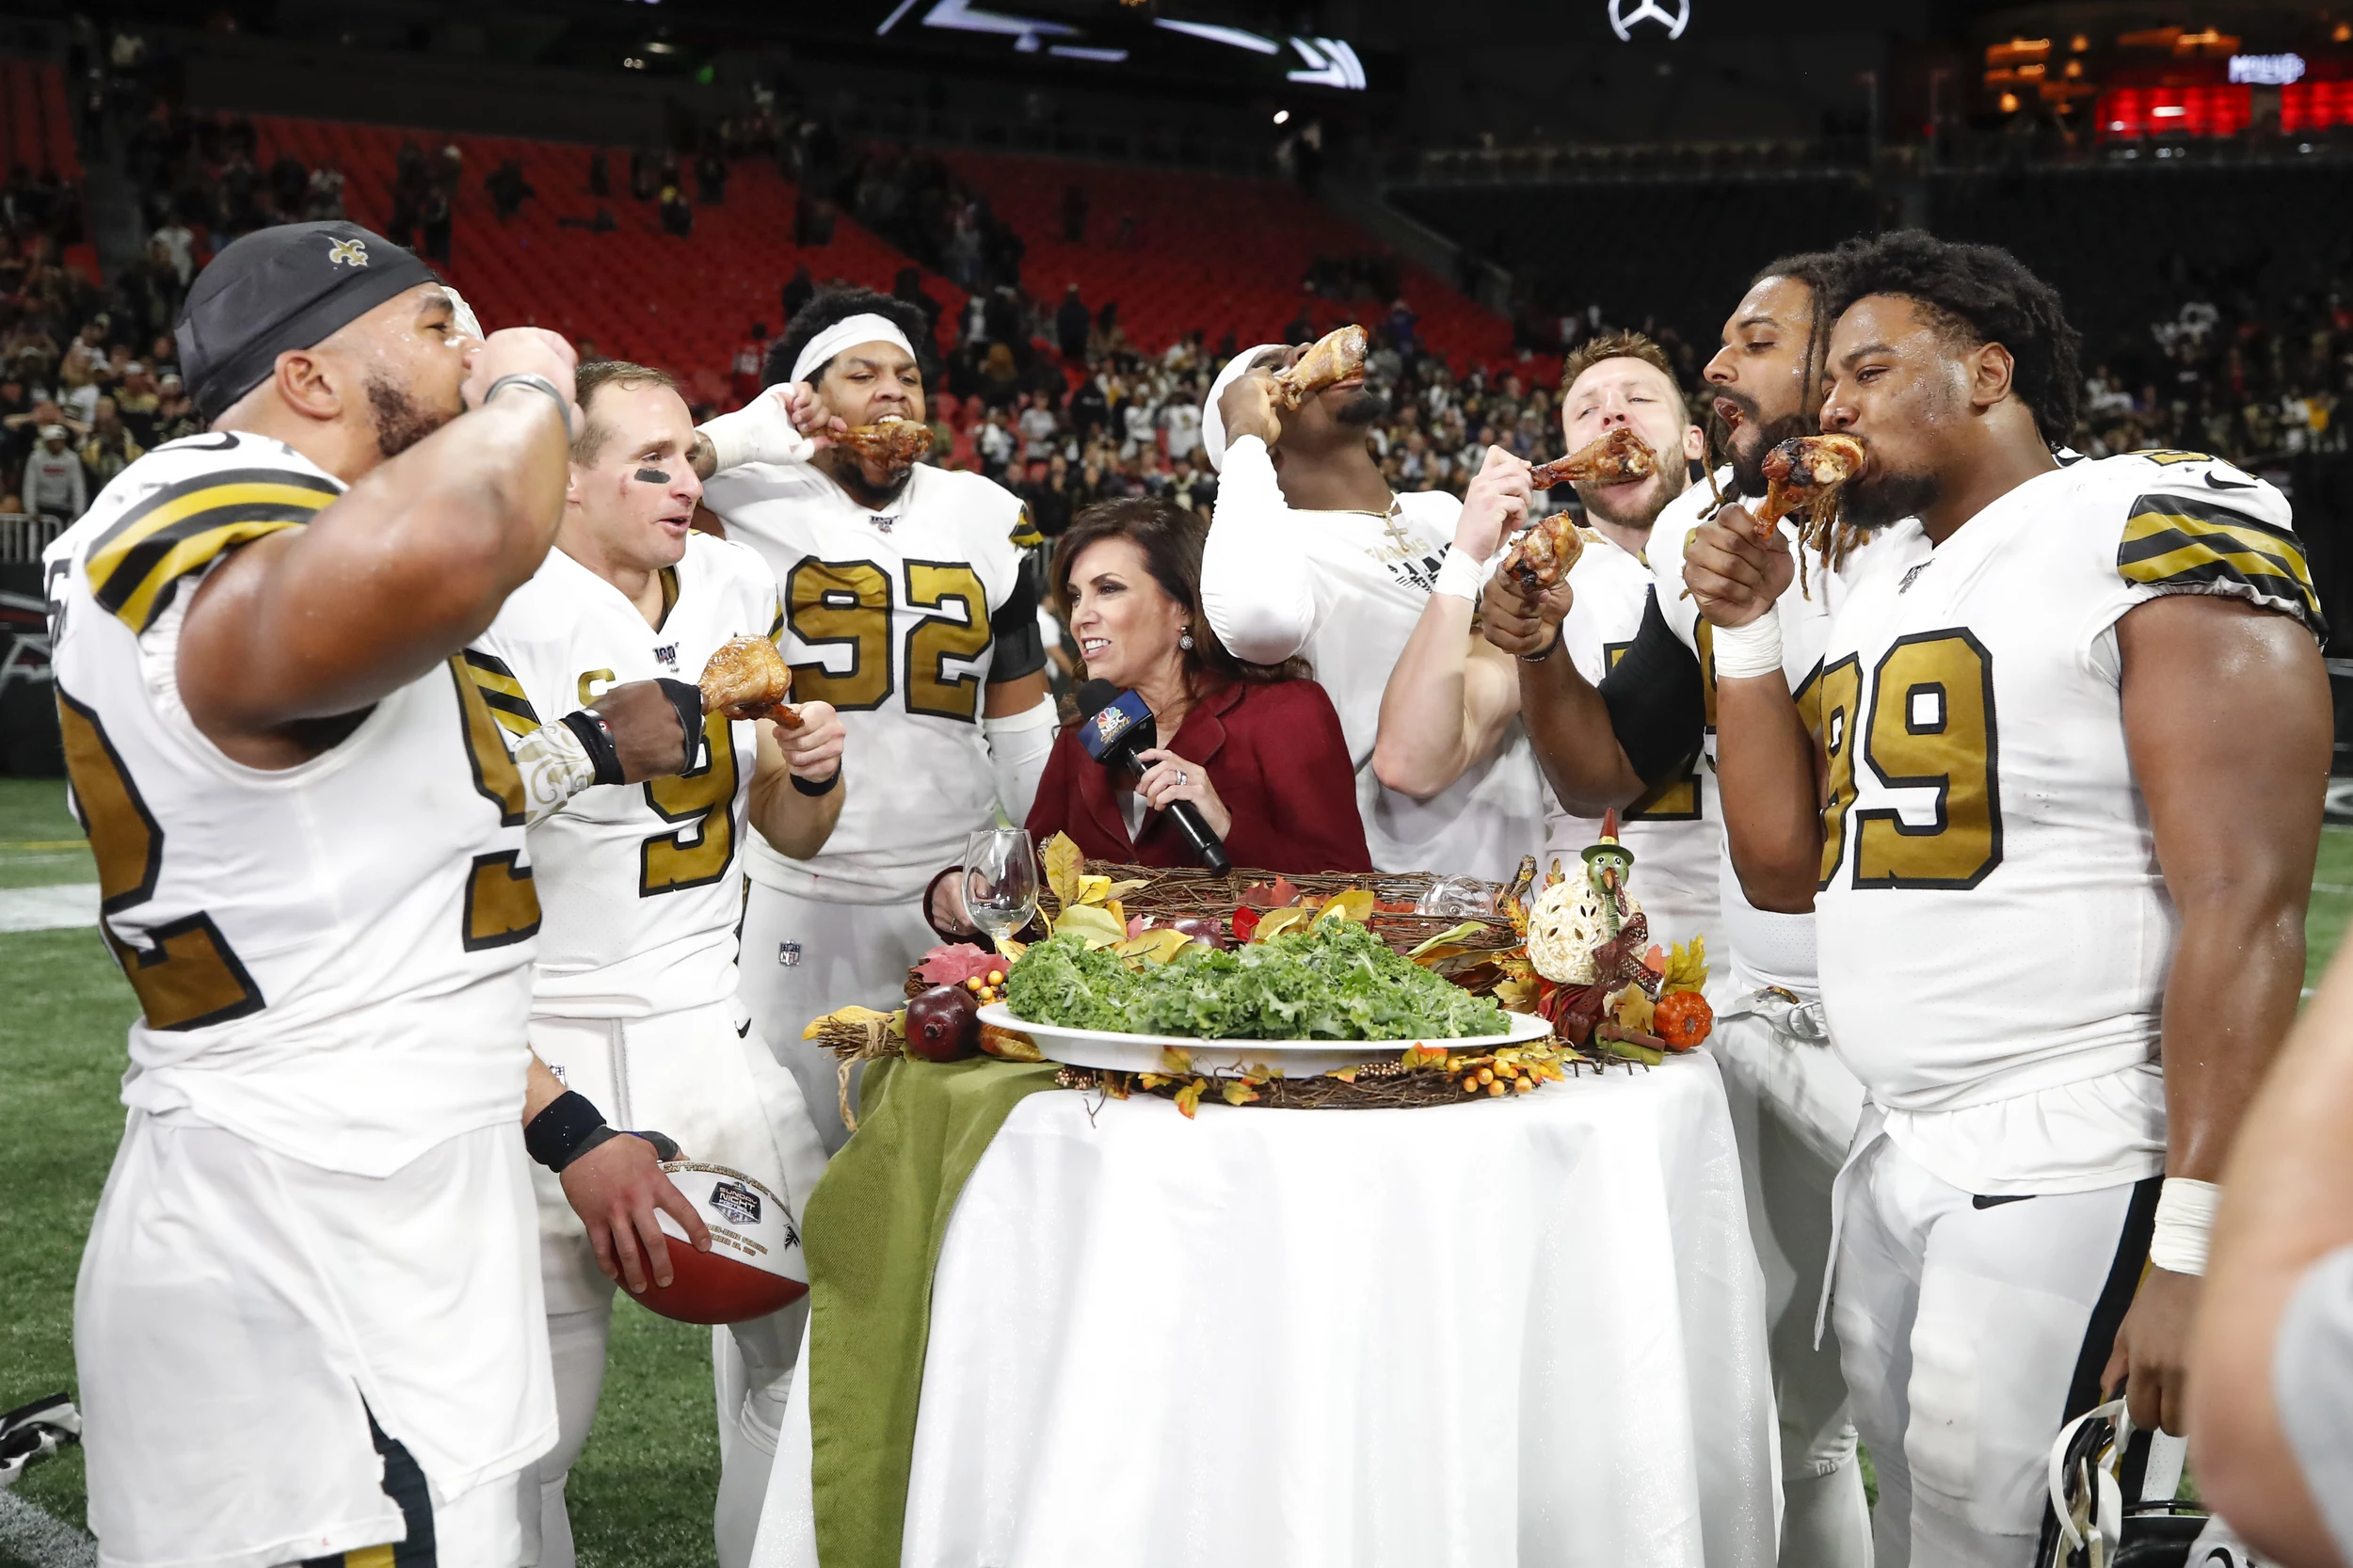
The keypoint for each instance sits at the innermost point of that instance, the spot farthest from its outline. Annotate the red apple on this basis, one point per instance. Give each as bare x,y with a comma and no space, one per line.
944,1025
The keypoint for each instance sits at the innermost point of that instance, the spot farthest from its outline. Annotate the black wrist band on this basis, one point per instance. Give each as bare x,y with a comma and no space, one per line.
813,790
688,700
1540,658
596,738
564,1131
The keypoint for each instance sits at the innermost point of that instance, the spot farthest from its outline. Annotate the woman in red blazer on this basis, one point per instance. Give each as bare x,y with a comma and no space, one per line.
1257,749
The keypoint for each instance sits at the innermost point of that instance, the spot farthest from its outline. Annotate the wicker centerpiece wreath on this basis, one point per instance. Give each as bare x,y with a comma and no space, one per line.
1316,991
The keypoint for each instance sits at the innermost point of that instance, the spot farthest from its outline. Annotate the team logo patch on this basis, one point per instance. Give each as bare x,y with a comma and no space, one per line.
736,1201
1912,576
347,253
667,654
788,955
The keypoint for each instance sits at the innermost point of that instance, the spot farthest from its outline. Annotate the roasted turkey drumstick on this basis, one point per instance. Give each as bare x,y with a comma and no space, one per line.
1543,554
1336,356
748,679
896,443
1617,457
1805,474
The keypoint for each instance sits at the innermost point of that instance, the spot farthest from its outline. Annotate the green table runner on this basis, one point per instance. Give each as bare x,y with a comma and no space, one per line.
872,1233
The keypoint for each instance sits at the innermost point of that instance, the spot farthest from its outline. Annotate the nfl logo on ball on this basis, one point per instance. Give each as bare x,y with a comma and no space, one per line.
737,1202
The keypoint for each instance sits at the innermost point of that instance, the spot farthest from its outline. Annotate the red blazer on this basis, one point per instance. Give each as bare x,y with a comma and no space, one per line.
1276,755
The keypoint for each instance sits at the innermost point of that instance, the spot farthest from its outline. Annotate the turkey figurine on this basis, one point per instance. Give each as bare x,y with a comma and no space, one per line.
748,679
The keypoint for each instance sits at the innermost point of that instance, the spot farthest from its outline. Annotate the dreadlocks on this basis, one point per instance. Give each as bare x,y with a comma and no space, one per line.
1976,294
1819,270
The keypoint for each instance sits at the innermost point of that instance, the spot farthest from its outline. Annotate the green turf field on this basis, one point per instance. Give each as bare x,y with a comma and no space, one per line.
641,1493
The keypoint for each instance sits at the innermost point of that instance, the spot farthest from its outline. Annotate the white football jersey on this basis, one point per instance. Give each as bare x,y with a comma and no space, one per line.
332,959
642,884
1369,579
1804,612
889,617
1675,830
1993,921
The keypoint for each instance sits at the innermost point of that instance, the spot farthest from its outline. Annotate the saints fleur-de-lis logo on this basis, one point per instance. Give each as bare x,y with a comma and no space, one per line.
347,253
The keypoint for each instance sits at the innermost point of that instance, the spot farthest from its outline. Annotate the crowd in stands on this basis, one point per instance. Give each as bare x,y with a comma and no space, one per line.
1047,395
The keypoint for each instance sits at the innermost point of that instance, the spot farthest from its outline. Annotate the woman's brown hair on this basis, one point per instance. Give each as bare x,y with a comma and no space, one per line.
1171,538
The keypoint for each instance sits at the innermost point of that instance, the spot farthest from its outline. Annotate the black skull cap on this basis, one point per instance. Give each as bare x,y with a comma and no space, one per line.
277,289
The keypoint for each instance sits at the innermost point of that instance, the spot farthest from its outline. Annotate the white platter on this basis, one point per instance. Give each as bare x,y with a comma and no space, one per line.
1140,1053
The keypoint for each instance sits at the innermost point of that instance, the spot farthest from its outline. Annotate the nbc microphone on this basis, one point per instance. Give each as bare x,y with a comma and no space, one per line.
1114,726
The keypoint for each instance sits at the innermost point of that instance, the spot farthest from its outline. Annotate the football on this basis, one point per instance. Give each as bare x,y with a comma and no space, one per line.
754,1265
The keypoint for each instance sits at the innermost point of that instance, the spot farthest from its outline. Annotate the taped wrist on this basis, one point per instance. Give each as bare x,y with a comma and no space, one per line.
595,736
1656,698
2184,1225
1744,652
688,700
1461,574
759,432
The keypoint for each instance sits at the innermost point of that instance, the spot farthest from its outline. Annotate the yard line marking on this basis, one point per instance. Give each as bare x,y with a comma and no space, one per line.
55,908
28,1533
42,843
2333,886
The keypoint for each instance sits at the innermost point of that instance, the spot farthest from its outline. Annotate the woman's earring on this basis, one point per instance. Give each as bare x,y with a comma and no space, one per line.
1184,639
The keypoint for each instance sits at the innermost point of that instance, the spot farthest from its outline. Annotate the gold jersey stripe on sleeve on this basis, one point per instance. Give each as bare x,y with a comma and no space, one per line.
1025,534
134,568
2184,546
776,627
502,691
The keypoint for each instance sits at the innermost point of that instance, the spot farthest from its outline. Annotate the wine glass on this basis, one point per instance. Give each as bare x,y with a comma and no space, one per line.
1000,880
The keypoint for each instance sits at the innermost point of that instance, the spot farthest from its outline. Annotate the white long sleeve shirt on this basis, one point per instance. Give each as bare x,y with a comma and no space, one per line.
1344,590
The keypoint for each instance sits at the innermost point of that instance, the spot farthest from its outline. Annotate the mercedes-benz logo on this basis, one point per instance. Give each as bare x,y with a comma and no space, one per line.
1624,15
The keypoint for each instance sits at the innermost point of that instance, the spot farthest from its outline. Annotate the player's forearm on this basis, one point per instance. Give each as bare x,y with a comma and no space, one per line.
1426,736
796,824
1257,586
2239,971
408,567
1771,801
1568,726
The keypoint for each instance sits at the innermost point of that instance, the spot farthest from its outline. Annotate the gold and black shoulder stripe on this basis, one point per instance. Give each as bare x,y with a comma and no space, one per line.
1025,534
502,691
776,627
670,596
2181,545
135,566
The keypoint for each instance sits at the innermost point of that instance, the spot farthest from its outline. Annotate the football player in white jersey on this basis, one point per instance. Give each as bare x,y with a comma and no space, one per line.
633,996
1310,555
1793,1103
910,604
1454,696
2059,836
305,1319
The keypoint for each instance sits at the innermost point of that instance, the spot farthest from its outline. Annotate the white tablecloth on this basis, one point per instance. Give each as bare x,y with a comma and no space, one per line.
1504,1333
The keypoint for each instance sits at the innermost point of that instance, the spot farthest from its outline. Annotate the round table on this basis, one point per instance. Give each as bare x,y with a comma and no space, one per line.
1515,1331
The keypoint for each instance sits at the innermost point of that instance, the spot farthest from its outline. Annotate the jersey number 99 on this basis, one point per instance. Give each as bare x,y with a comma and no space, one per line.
1928,724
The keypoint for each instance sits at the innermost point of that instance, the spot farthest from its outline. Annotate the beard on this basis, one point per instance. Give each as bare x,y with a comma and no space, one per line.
1637,505
1362,409
400,424
1875,498
1748,466
851,475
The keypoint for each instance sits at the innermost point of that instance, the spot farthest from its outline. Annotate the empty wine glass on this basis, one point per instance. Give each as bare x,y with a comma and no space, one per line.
1000,880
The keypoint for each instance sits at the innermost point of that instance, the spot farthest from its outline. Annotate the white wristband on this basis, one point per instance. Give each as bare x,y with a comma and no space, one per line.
1754,650
759,432
1461,575
554,766
2184,1223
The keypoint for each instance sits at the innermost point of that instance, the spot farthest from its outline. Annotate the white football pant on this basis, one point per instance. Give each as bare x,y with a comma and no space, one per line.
706,1077
1793,1114
1972,1329
802,959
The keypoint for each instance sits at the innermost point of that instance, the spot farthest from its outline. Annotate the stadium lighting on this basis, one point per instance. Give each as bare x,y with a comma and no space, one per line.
964,17
1231,37
1282,117
1330,63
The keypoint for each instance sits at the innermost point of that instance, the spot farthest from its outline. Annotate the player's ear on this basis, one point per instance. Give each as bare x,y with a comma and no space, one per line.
306,385
1694,443
1989,372
572,485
